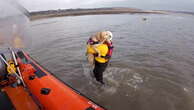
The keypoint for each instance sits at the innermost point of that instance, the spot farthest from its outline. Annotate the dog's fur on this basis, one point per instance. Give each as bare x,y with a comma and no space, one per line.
90,58
101,37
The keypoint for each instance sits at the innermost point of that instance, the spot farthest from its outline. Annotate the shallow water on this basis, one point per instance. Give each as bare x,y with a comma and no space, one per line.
152,64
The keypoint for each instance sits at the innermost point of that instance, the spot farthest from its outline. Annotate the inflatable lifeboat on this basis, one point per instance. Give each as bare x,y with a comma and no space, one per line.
31,87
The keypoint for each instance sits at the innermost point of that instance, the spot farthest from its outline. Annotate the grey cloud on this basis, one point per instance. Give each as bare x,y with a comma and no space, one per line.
35,5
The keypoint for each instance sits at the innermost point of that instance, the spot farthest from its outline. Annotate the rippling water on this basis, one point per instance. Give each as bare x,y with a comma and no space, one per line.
152,64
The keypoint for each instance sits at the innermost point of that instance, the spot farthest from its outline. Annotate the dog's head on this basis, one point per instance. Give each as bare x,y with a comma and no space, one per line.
104,35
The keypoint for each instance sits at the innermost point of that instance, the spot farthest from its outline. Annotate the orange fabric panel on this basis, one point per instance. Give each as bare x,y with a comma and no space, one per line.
20,98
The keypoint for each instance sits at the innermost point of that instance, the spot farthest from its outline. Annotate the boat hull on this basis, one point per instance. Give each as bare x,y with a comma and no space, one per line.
49,92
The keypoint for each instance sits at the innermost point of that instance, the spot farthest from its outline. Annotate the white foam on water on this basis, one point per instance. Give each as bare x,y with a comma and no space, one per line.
185,89
113,77
86,70
113,74
135,81
109,89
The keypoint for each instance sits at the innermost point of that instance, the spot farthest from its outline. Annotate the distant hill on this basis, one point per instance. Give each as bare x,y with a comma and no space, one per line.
93,11
177,12
182,12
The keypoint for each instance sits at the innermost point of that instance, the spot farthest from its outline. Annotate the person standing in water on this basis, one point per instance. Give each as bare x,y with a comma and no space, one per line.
99,52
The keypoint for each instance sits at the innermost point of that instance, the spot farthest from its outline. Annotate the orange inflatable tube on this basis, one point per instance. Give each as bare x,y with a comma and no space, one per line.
47,91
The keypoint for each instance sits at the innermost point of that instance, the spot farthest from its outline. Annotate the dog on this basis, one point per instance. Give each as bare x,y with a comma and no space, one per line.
95,41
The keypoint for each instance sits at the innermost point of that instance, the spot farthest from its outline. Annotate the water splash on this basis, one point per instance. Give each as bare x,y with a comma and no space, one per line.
135,81
110,86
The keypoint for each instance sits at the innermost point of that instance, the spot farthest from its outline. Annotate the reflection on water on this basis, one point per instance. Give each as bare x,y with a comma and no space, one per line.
152,64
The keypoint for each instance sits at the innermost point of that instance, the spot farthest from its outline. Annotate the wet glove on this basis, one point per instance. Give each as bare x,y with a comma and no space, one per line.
106,57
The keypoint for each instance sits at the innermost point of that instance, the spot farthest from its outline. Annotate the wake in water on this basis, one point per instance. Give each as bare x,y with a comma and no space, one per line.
109,86
114,77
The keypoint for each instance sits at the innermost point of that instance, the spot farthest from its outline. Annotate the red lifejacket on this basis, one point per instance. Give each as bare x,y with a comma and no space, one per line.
110,49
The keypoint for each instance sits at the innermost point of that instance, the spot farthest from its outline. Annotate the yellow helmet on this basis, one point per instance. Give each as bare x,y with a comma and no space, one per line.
10,62
11,68
110,35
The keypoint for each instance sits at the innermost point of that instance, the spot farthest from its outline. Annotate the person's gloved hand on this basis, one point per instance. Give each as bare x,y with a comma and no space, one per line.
107,57
96,54
99,55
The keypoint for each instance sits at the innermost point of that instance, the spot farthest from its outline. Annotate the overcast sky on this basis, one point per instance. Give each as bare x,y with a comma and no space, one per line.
37,5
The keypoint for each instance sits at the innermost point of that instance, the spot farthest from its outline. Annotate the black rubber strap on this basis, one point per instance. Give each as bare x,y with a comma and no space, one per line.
17,65
110,47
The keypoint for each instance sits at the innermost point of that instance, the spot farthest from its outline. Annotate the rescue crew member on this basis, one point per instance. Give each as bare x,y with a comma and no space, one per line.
99,51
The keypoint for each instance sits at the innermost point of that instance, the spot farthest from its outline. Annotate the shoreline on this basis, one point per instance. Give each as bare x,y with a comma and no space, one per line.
82,12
